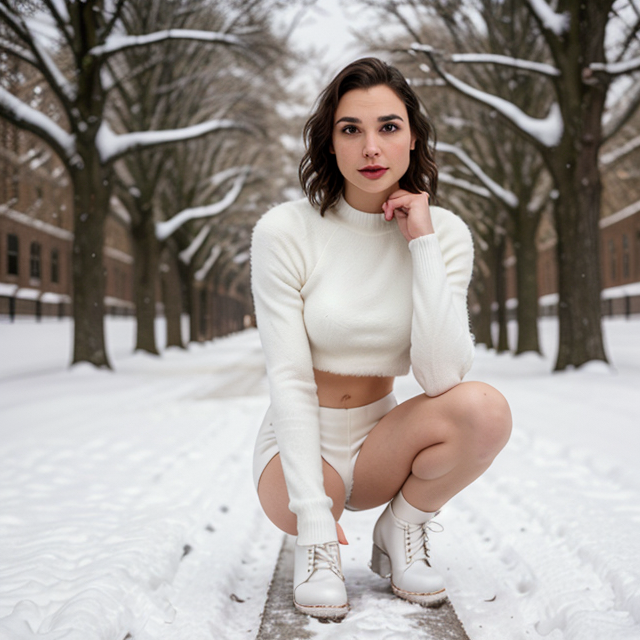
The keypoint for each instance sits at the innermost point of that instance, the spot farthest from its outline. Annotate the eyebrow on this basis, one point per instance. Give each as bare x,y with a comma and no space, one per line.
350,120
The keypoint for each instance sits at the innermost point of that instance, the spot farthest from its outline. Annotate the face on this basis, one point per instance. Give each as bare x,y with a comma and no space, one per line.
372,141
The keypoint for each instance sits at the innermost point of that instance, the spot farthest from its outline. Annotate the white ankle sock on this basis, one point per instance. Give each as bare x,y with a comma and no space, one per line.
407,512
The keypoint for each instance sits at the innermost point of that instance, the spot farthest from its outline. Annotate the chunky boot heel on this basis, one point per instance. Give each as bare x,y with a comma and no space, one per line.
380,562
401,552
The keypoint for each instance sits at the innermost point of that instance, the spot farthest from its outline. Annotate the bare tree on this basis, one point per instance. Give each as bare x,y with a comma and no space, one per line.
88,35
569,137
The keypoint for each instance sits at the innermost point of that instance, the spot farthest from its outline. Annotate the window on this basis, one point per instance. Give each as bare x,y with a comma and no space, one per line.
12,254
626,270
612,259
55,265
34,262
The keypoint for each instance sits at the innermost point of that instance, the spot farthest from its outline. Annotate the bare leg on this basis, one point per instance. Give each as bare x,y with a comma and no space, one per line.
432,448
274,498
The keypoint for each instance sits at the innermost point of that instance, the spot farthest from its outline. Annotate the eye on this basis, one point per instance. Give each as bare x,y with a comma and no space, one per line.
390,127
349,129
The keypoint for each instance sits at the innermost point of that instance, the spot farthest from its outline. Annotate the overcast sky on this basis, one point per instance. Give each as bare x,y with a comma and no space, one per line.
325,29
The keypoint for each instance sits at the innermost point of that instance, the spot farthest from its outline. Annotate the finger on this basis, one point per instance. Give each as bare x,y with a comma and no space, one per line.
342,539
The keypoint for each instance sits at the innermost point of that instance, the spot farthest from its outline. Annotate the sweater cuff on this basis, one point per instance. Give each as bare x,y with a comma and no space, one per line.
427,256
316,525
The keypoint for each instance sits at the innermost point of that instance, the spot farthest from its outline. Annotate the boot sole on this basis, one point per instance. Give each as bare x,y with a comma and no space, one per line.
323,611
381,564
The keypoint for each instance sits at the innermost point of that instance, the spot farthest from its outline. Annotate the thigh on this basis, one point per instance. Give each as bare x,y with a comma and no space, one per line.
274,497
385,460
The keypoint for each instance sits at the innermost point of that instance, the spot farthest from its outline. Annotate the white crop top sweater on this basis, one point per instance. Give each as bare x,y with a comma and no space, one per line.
346,293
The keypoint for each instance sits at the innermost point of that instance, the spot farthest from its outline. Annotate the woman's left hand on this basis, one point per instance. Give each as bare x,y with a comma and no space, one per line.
411,211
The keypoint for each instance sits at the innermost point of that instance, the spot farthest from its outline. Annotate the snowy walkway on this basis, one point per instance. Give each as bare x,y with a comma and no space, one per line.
127,508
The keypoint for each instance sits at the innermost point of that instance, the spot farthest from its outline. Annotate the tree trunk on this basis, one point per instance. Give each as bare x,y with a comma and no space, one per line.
574,166
92,189
484,289
146,254
172,298
524,240
579,314
501,296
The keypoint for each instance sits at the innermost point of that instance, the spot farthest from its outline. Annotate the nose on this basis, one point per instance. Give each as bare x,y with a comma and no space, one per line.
371,148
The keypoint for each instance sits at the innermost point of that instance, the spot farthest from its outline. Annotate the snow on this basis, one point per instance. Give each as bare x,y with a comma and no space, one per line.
517,63
202,272
166,228
508,197
186,255
37,121
446,178
111,145
547,131
617,68
127,506
119,42
558,23
620,152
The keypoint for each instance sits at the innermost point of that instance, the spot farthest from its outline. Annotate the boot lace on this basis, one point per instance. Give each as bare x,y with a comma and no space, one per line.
325,556
416,540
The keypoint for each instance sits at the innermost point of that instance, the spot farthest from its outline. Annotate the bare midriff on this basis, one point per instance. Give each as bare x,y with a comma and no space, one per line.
346,392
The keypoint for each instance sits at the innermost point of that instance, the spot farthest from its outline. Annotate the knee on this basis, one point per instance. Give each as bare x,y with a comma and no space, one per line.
487,418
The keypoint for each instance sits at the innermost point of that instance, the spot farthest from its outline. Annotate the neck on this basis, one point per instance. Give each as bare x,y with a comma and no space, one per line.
367,202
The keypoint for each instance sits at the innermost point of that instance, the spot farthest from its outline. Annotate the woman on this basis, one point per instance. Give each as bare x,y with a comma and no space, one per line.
353,285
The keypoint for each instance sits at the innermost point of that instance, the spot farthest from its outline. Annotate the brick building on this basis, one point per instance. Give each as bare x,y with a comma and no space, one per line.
36,234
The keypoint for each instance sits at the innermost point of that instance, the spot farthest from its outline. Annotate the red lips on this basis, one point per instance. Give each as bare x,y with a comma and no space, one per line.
373,171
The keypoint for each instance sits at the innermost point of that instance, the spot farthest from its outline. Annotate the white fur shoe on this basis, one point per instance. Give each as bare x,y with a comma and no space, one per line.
318,583
401,552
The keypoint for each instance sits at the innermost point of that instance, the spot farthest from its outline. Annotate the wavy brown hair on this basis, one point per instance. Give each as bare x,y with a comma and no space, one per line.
319,175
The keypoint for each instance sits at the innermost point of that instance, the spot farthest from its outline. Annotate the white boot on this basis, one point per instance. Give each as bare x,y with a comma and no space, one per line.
401,552
318,583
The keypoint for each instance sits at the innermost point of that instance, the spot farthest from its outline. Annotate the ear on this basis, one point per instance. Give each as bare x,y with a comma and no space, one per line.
332,151
413,142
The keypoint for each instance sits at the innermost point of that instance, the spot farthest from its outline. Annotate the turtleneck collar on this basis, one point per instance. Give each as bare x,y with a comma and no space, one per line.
361,221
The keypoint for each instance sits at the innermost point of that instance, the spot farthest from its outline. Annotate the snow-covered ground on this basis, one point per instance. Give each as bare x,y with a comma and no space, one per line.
127,508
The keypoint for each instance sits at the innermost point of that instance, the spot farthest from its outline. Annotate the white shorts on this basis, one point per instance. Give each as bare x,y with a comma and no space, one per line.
342,434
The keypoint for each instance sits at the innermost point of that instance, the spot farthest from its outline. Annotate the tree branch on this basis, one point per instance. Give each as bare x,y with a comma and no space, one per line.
549,19
619,114
165,229
112,146
464,185
616,68
18,51
29,119
119,43
506,61
619,153
507,197
546,132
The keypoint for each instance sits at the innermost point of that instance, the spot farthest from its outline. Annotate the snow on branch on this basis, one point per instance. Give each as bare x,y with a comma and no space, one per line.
111,146
558,23
516,63
166,228
186,255
202,272
507,197
118,42
547,131
620,152
57,79
17,51
616,68
465,185
26,117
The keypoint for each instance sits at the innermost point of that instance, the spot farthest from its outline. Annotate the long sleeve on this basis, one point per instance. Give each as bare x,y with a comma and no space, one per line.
277,274
441,344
